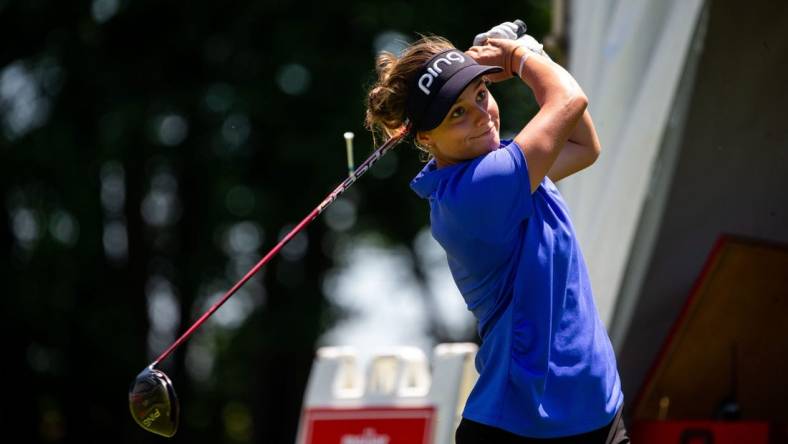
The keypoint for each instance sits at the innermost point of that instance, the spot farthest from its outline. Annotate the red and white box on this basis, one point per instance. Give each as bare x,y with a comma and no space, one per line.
369,425
397,400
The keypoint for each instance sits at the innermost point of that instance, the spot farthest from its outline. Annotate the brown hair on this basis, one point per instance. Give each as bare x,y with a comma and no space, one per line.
387,97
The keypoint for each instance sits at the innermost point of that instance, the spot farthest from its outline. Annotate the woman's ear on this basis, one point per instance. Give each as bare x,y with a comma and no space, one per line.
423,138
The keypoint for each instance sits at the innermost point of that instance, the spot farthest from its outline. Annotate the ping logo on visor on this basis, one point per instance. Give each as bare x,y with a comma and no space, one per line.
434,69
435,88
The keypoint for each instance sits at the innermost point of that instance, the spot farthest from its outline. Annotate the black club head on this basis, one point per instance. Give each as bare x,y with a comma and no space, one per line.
153,403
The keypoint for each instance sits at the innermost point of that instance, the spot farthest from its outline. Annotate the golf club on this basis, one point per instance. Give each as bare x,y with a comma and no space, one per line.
152,399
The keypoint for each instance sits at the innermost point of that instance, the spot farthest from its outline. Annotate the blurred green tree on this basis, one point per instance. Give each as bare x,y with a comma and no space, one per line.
152,151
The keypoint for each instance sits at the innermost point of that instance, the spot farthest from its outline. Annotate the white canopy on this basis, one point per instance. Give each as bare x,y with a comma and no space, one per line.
629,57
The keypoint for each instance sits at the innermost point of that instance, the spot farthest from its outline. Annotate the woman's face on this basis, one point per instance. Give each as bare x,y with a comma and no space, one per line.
469,129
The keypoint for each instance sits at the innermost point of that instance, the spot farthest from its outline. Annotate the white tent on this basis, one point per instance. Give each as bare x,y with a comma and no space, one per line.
630,58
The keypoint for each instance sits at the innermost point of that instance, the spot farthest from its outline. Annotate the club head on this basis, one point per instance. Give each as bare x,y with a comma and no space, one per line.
153,403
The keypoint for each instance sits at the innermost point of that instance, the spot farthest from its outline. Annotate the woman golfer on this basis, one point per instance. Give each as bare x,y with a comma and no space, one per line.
547,371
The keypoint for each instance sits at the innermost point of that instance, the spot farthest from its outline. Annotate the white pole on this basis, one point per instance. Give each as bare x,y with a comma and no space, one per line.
349,145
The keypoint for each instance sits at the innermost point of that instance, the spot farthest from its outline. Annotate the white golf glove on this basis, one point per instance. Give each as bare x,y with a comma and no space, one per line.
508,30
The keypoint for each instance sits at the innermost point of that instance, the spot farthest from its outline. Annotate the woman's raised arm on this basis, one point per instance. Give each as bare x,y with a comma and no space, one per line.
562,103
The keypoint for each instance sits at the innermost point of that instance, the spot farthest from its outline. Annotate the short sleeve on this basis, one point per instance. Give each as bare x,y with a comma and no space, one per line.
492,196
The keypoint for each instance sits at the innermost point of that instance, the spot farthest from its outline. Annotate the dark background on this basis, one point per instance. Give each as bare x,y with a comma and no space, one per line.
137,138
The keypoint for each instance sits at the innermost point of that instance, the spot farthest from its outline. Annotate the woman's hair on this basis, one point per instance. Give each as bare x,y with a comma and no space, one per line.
387,97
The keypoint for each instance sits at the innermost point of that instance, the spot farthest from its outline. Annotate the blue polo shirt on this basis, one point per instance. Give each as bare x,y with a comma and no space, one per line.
546,365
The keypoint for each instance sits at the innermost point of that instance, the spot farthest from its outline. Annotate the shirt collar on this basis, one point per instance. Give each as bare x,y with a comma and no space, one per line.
428,179
426,182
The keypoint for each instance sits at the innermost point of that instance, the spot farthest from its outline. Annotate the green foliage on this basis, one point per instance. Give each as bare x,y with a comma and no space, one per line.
210,114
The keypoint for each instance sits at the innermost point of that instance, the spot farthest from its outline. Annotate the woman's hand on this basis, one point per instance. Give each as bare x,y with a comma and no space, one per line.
497,52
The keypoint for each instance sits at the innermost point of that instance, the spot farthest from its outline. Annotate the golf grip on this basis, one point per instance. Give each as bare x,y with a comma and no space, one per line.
380,152
521,28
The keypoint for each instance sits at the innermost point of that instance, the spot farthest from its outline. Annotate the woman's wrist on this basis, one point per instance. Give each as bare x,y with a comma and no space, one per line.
517,61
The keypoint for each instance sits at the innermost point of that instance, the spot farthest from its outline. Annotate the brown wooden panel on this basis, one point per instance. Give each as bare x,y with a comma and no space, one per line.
739,302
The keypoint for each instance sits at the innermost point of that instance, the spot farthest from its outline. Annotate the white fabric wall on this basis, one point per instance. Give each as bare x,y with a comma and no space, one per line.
628,56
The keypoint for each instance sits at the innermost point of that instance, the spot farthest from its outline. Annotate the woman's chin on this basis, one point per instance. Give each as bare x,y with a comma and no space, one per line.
486,144
495,141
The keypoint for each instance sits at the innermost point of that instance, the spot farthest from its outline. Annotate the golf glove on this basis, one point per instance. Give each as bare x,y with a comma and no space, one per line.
508,30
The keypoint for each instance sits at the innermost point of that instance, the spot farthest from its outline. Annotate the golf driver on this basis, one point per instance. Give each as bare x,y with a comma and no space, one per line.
152,399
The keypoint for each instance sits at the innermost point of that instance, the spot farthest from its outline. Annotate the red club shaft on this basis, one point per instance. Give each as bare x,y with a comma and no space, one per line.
391,143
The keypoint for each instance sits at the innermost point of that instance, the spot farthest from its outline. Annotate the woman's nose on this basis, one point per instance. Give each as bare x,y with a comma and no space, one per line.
482,116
